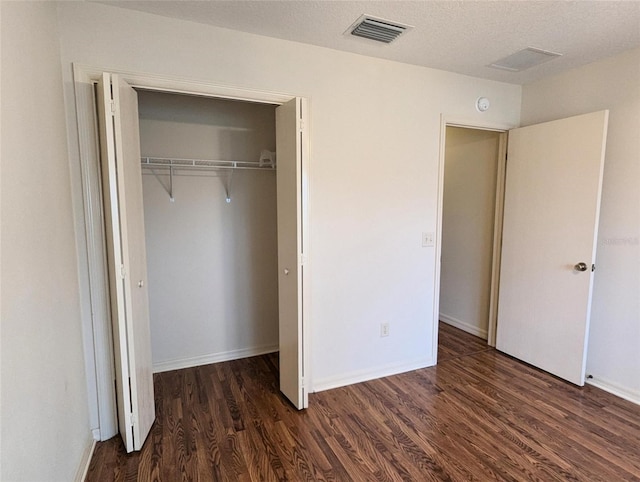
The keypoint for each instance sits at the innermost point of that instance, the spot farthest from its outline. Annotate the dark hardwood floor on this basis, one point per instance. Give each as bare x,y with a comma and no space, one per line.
478,415
453,343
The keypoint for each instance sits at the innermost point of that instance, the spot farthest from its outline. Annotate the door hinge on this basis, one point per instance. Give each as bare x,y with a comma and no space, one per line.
113,106
303,259
132,417
123,271
301,125
303,382
593,267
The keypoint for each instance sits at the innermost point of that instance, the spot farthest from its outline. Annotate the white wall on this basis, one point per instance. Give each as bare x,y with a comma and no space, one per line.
471,162
212,265
45,423
612,84
375,131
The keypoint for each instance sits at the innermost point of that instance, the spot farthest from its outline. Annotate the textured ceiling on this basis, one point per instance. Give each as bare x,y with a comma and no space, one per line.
458,36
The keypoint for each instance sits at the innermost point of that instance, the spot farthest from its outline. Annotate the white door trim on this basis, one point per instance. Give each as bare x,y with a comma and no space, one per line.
84,78
448,121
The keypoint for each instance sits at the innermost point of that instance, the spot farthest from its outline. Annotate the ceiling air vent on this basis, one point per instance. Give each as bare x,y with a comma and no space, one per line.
377,29
524,59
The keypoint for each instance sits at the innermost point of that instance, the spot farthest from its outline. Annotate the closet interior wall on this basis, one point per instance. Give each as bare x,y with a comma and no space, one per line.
212,265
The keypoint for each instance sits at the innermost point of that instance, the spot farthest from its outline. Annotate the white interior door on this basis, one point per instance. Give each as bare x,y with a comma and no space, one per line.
124,219
291,150
552,203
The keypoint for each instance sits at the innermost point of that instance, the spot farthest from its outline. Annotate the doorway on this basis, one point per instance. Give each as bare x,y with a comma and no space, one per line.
471,219
547,220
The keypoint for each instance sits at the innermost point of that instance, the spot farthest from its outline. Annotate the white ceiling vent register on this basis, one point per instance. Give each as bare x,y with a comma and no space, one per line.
377,29
524,59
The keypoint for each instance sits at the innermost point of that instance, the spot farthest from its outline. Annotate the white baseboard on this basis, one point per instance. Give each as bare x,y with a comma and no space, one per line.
180,363
464,326
83,467
615,389
366,375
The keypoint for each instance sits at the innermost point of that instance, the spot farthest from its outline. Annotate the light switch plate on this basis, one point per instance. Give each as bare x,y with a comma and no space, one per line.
428,240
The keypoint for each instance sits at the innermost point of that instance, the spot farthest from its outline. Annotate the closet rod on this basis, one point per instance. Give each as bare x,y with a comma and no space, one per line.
204,164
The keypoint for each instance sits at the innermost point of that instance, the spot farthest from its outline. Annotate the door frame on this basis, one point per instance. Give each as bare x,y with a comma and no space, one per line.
99,359
503,129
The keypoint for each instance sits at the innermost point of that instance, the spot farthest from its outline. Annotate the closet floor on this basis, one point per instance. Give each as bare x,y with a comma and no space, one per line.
478,415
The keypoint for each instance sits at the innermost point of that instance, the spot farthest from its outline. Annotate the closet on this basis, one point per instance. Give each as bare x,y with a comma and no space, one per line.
225,237
210,211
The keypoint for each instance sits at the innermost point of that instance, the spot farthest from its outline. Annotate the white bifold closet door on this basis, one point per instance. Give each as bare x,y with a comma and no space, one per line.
124,219
552,204
291,149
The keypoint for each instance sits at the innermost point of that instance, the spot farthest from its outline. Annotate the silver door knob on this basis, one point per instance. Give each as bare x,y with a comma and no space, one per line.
580,267
286,271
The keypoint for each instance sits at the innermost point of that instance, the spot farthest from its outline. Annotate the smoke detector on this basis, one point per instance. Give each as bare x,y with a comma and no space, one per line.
377,29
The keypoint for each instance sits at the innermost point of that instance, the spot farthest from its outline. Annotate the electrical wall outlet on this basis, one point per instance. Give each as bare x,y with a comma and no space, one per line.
384,329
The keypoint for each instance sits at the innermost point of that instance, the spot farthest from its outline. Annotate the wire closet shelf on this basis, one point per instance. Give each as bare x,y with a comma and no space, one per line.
204,164
178,166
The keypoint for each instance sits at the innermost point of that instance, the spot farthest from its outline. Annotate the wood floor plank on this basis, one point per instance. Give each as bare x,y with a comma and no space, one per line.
478,415
564,426
430,432
511,414
450,345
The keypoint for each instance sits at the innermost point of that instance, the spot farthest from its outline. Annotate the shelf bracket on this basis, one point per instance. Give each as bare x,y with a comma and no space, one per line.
171,198
226,180
169,188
